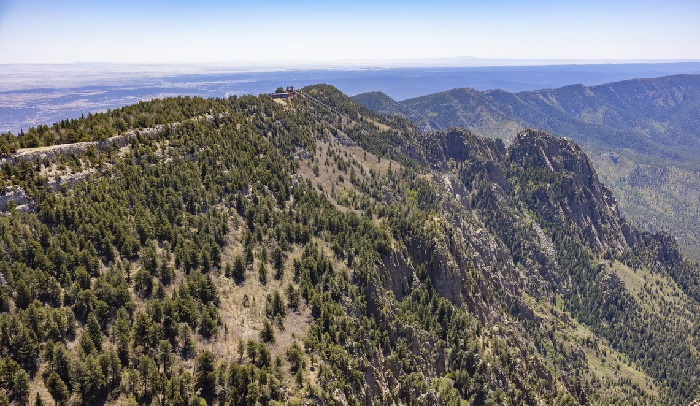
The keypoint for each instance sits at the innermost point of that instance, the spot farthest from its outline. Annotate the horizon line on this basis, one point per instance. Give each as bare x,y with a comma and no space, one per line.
449,62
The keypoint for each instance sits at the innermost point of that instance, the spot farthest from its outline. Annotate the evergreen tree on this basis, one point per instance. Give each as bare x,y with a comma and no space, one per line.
262,273
20,390
121,335
62,363
24,295
208,323
278,262
238,269
295,356
94,331
147,372
267,334
205,379
188,345
165,356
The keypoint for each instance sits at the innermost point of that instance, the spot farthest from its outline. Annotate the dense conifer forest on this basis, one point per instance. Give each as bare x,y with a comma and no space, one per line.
246,250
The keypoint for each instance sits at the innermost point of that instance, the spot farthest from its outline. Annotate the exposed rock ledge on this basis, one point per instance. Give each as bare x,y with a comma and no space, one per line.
53,151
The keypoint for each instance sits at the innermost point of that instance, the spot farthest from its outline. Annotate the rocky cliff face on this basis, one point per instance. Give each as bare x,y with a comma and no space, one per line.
641,134
552,175
507,209
14,197
573,193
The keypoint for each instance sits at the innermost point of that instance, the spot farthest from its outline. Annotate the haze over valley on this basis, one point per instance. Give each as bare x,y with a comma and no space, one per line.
43,94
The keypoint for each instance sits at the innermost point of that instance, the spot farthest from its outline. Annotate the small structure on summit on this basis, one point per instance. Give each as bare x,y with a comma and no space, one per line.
281,93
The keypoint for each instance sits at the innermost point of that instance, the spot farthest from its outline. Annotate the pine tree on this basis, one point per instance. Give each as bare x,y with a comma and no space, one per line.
62,363
188,345
24,295
20,389
262,273
293,297
268,333
278,262
94,331
165,356
238,269
121,334
207,325
205,379
147,373
295,356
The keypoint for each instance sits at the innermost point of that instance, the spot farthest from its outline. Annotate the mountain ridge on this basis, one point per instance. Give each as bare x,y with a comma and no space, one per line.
631,129
310,251
548,100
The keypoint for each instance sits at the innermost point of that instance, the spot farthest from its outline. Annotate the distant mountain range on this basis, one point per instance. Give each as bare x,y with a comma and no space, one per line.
33,95
643,135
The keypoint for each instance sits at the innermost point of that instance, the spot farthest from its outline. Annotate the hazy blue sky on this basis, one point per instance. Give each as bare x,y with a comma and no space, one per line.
312,31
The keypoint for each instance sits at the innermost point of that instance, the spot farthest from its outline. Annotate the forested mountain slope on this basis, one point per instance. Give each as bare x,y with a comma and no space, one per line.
643,135
310,251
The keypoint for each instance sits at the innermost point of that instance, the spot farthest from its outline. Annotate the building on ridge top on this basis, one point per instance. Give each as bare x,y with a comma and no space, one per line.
281,93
